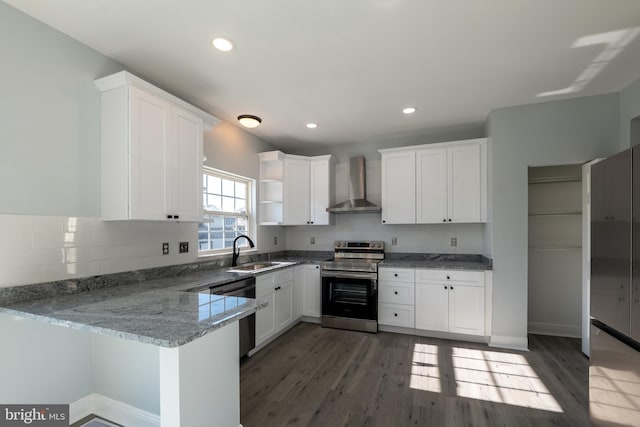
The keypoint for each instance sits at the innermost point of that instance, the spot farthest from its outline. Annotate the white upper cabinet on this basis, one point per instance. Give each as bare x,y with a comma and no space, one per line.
151,152
296,190
435,183
303,192
399,187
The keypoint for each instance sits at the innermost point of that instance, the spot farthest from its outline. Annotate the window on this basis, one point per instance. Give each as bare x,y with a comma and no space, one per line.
227,211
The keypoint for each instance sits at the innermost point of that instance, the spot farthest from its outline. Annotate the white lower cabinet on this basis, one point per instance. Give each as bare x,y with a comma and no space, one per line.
277,290
450,301
396,305
312,290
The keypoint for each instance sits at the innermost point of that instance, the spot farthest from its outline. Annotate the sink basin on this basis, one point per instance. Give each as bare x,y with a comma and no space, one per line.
255,267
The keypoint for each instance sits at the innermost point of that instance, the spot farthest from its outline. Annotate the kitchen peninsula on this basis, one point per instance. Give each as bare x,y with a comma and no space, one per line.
169,353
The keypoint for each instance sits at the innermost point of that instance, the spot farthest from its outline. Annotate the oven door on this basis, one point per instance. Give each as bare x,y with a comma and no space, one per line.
352,295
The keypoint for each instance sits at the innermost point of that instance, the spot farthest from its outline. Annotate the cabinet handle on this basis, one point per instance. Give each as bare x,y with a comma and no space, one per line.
317,266
384,221
395,292
451,288
395,274
176,216
169,216
448,277
449,219
446,287
395,314
444,220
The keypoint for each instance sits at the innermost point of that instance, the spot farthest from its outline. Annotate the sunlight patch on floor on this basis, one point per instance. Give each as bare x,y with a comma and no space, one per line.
425,373
501,378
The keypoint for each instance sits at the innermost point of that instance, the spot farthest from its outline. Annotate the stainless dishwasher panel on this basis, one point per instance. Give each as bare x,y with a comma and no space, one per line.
245,288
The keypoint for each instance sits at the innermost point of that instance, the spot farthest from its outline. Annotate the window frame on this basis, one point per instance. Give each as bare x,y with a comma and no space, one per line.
249,215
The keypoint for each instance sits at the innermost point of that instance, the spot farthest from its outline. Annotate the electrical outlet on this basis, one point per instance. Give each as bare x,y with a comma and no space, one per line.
312,240
275,240
184,247
394,241
454,241
165,249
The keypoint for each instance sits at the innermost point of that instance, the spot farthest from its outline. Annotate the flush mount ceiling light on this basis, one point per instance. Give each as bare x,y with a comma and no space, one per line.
409,110
312,125
220,43
249,121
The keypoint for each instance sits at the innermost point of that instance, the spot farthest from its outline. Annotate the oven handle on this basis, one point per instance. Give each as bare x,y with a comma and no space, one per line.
350,275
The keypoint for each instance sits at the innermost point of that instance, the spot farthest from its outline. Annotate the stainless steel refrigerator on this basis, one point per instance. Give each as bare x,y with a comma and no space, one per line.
614,366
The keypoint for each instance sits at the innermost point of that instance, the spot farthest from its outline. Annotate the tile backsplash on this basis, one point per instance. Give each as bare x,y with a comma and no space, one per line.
37,249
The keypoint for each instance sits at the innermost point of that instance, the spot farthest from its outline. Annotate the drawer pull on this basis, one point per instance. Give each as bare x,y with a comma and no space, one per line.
448,277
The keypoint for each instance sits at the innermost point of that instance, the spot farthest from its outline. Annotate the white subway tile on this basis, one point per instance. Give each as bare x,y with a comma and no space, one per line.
37,257
62,240
71,270
10,242
15,276
82,224
84,254
30,223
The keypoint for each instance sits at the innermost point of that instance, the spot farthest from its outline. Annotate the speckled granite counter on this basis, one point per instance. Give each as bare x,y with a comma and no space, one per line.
437,261
164,312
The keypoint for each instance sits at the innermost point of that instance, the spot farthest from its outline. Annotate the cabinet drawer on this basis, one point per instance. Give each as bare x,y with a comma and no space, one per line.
396,293
396,315
396,274
265,283
443,276
283,276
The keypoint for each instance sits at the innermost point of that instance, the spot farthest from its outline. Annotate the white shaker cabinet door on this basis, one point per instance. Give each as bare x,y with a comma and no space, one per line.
466,309
185,166
319,197
464,183
432,307
312,292
284,305
431,186
149,126
399,187
296,191
266,318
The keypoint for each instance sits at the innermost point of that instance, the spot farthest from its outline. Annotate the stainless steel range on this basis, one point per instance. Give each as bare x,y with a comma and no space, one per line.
350,286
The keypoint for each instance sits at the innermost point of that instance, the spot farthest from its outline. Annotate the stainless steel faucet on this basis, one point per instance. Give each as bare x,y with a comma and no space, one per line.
236,252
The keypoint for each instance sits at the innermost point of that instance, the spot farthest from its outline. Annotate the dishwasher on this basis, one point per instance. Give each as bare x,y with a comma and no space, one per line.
245,288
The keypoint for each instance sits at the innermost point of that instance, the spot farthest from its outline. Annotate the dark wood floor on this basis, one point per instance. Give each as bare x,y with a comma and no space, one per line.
313,376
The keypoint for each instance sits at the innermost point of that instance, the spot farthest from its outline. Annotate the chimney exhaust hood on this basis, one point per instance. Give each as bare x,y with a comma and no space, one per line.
357,202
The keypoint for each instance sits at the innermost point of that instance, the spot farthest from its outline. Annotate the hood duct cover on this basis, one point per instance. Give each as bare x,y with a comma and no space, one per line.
357,202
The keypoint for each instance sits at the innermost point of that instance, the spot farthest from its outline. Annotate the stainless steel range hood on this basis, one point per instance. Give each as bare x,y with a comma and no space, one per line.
357,202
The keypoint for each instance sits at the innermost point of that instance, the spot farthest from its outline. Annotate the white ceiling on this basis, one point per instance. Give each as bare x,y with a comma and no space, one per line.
352,65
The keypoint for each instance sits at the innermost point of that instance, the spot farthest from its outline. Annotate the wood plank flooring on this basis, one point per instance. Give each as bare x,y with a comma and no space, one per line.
314,376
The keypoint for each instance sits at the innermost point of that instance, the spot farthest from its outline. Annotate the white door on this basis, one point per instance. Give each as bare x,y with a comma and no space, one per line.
149,127
265,318
431,186
186,166
432,307
312,291
319,192
284,305
399,187
464,183
466,309
296,191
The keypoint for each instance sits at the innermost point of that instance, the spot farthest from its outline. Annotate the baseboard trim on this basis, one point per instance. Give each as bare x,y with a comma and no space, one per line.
554,329
113,410
512,343
432,334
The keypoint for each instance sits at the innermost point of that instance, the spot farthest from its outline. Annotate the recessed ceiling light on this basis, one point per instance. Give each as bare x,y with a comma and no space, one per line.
312,125
409,110
222,44
249,121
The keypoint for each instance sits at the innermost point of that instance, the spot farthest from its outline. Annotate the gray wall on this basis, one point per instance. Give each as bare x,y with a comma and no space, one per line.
50,128
630,110
552,133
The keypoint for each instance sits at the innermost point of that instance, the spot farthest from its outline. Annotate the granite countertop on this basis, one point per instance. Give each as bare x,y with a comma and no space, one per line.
438,261
166,312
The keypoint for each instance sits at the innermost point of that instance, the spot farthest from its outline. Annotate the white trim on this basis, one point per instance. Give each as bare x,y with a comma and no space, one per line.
540,328
113,410
123,78
435,145
512,343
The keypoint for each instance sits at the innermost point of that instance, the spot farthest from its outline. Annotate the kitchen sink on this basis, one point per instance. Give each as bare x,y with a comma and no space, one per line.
255,267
